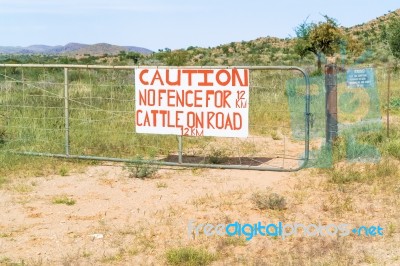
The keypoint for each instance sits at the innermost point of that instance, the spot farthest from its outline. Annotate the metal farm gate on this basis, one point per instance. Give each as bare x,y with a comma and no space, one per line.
88,112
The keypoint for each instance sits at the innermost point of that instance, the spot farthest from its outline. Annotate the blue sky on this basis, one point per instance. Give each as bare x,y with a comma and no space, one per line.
175,24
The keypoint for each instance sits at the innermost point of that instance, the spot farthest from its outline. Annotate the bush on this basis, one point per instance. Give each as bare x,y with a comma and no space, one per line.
2,136
142,170
217,156
393,149
271,201
189,256
63,200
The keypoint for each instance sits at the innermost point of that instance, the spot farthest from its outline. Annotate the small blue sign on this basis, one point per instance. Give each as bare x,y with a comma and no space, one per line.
360,78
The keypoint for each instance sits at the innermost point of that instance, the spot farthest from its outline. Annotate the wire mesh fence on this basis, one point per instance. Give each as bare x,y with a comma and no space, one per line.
89,112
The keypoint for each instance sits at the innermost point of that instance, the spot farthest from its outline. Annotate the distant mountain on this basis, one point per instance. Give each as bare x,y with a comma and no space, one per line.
105,48
73,46
138,50
39,48
73,49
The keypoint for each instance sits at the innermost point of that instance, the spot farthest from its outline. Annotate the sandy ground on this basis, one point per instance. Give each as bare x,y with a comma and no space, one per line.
120,220
113,211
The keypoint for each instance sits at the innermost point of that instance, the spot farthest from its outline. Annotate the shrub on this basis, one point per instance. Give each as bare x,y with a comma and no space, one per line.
2,136
393,149
217,156
273,201
64,200
189,256
141,170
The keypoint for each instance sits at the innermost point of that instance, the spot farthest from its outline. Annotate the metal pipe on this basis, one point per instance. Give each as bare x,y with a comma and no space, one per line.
155,162
66,111
388,104
307,119
141,67
180,149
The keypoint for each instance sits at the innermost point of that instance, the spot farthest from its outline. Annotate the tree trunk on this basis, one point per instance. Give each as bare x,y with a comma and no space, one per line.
319,63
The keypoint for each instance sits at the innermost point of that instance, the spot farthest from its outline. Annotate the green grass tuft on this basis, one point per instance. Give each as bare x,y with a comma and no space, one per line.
63,200
189,256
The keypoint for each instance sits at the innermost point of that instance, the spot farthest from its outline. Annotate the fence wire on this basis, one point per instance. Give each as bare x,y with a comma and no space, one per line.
98,121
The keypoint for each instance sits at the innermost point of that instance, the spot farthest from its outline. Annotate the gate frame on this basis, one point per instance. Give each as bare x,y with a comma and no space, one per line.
180,163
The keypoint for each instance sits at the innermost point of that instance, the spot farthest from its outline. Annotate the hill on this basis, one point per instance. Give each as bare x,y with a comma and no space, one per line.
261,51
72,49
105,48
276,51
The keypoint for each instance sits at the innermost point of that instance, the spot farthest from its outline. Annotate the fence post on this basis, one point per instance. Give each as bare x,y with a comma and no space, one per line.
180,149
66,111
331,103
388,104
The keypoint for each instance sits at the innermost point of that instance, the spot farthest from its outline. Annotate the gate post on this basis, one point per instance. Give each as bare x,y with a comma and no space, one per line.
66,111
331,103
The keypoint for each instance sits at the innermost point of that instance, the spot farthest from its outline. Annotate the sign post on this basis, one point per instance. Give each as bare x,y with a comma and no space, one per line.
331,103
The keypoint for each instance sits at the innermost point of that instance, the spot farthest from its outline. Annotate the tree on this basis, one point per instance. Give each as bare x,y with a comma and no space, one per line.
303,46
352,46
393,36
323,38
122,55
176,58
134,56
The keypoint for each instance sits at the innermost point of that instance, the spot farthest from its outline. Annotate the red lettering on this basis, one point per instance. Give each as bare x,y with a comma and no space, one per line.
189,72
205,80
170,97
164,114
210,116
236,76
142,97
157,76
219,120
146,120
191,117
137,118
160,97
227,77
197,98
151,97
154,113
218,99
237,126
175,83
228,122
142,72
187,103
180,99
200,120
225,102
208,98
177,119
